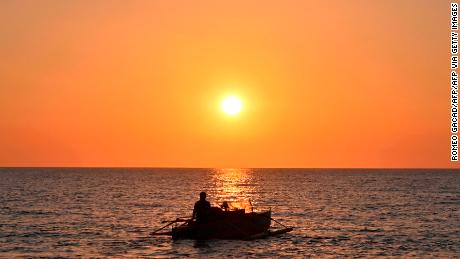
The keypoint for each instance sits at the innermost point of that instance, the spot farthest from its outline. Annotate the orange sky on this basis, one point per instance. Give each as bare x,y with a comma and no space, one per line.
139,83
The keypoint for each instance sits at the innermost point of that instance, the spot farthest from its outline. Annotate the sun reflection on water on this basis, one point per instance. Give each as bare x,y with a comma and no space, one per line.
234,185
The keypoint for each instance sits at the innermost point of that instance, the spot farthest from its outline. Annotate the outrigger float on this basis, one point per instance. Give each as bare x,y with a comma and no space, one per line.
234,224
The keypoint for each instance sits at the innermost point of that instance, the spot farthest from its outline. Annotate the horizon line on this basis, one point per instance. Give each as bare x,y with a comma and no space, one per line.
192,167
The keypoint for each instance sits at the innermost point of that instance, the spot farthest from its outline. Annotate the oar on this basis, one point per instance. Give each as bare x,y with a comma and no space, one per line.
176,220
277,221
170,223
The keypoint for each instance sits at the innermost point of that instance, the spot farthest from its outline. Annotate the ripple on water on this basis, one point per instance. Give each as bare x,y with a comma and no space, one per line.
110,212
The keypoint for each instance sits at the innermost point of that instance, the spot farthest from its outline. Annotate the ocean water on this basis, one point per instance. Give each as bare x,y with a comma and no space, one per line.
103,213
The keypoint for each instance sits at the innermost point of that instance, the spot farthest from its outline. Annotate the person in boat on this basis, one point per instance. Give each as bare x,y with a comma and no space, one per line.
225,206
201,209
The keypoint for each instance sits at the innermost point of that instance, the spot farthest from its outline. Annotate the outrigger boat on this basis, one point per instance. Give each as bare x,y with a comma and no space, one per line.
226,224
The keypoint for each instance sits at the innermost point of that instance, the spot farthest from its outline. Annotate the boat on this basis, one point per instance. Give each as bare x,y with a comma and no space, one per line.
236,224
225,224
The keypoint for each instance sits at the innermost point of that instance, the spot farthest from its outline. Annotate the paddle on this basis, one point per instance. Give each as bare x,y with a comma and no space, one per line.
278,222
169,224
176,220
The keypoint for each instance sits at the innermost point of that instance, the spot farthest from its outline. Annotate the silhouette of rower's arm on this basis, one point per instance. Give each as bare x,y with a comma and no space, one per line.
194,212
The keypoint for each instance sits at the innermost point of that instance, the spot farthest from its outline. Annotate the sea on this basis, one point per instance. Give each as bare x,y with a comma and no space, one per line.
335,213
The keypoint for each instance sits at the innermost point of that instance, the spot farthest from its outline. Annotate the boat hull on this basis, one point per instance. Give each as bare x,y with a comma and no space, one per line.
227,225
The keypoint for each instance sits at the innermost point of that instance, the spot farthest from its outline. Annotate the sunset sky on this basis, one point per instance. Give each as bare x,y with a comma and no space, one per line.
141,83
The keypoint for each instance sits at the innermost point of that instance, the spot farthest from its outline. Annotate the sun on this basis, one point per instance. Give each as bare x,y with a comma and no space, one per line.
231,105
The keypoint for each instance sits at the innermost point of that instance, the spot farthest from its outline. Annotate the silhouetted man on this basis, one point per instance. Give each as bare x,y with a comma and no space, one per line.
201,209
